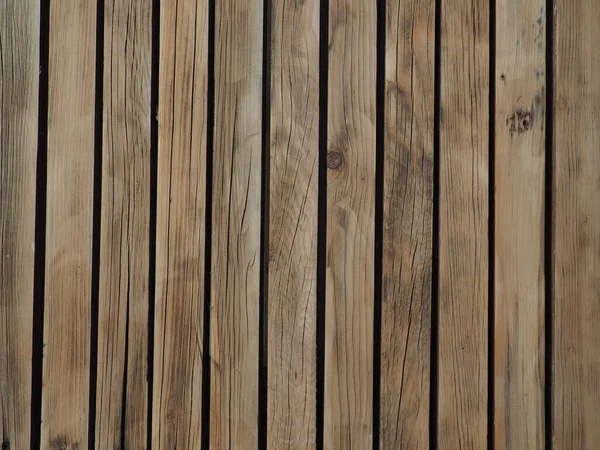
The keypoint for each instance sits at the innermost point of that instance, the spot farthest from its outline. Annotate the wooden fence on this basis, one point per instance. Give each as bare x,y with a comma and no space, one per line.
336,224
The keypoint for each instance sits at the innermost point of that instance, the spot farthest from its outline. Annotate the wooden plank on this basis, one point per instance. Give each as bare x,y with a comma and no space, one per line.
519,224
407,224
181,205
19,90
464,211
235,269
293,211
124,234
351,118
67,308
576,225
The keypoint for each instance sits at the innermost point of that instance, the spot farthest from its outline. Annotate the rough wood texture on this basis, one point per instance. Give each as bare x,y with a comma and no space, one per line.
407,224
19,84
350,225
464,211
67,308
576,225
234,320
519,231
181,198
293,225
124,234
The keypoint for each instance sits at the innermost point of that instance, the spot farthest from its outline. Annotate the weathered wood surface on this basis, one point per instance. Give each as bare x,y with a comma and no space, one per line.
67,307
180,225
520,119
293,194
407,224
351,121
19,90
124,227
463,220
236,251
576,225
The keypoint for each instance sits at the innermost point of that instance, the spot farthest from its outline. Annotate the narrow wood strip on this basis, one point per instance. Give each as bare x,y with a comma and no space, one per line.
520,119
19,90
407,224
464,211
124,236
67,309
576,225
350,225
294,149
180,224
235,269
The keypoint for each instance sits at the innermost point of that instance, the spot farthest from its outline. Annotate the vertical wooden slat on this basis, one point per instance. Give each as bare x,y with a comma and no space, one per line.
19,87
576,225
407,224
350,243
464,211
180,223
124,235
234,319
294,150
519,224
67,308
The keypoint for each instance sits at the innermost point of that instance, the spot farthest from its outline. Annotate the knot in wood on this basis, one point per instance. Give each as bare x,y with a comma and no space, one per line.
334,160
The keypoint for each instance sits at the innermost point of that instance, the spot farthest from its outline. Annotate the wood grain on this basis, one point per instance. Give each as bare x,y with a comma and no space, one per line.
234,319
520,119
464,211
19,90
180,234
407,224
351,119
124,233
576,225
67,307
294,150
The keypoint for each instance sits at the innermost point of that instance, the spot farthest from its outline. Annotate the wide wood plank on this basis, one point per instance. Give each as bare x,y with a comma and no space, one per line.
19,87
235,269
124,236
351,119
519,229
464,212
67,307
294,147
576,225
180,233
407,224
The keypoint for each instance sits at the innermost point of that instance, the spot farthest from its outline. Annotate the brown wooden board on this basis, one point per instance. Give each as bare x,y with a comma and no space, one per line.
463,219
122,389
19,90
69,211
351,120
407,224
236,251
576,226
180,225
293,193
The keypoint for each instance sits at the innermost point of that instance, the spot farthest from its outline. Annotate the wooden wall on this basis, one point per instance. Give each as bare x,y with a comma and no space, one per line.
332,224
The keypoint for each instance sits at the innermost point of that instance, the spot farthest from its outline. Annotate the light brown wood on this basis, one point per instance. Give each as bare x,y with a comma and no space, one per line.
234,319
576,225
19,90
67,307
351,118
520,119
180,233
407,224
124,233
464,212
294,150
